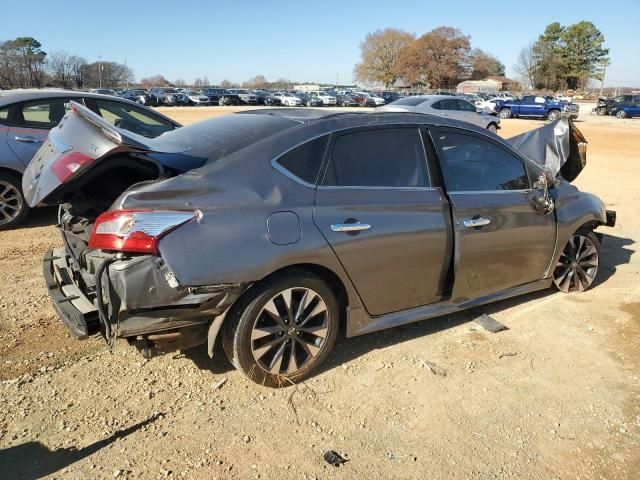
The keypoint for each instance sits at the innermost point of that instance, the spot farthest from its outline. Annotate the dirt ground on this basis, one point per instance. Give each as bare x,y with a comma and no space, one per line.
556,396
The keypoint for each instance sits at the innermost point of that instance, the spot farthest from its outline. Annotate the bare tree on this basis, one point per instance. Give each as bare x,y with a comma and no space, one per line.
379,53
484,65
198,83
154,81
226,84
78,70
439,58
60,67
180,83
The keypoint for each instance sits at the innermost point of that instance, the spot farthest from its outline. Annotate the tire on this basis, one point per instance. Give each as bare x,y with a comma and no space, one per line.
621,114
13,207
259,338
578,264
493,128
553,115
505,113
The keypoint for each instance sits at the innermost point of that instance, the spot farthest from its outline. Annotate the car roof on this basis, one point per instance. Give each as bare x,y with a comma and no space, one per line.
360,119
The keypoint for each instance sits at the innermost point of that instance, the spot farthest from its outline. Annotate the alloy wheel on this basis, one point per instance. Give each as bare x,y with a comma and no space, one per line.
290,331
11,202
577,266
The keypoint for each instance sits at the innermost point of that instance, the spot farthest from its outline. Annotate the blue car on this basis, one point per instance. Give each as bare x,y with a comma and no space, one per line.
626,111
26,116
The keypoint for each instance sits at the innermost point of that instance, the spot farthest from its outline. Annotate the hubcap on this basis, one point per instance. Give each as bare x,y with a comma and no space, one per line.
290,331
578,264
10,203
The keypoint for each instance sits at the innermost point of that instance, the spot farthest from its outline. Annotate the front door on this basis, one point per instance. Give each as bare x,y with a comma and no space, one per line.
30,123
389,227
501,240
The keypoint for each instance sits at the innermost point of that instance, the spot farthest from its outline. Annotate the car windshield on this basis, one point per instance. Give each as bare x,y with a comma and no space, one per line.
170,90
219,137
193,92
409,101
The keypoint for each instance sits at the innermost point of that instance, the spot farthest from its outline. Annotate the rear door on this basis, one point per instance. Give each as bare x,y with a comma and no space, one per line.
384,217
501,240
30,123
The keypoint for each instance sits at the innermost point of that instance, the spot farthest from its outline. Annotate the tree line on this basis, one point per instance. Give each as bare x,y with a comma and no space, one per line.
564,57
24,64
440,58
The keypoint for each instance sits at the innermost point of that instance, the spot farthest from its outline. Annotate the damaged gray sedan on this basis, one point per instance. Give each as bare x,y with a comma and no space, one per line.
299,223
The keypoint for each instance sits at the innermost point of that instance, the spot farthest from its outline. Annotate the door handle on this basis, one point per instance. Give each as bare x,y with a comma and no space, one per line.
27,139
475,222
349,227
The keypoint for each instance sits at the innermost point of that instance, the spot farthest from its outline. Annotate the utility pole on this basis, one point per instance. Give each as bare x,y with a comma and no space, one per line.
100,70
604,70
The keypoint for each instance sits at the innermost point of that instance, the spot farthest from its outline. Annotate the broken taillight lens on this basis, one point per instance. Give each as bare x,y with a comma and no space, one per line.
135,230
67,164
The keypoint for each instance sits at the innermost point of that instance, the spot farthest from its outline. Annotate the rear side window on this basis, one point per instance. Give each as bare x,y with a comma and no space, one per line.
465,106
304,161
133,119
472,164
448,104
44,114
4,114
392,157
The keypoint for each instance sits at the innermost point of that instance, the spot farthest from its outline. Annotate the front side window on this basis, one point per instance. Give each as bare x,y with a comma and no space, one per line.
472,164
392,157
133,119
44,114
304,161
4,114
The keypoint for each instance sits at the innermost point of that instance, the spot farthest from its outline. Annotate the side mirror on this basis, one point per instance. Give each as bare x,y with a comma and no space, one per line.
543,201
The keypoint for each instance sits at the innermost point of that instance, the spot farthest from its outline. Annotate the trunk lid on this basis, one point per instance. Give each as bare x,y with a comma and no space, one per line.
82,141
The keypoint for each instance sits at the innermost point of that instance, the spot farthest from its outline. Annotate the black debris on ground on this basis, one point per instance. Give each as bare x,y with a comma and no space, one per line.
489,323
334,458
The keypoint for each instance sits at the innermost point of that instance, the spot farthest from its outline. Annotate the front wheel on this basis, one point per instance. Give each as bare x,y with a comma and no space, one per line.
505,113
621,114
282,329
493,128
13,207
577,266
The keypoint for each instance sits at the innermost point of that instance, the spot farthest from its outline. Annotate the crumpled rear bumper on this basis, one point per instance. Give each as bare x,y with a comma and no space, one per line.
140,295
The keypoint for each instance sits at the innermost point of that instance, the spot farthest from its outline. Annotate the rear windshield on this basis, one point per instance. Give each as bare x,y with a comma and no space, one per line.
409,101
221,136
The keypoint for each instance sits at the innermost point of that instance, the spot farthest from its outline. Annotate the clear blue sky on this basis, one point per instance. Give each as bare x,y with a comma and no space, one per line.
303,41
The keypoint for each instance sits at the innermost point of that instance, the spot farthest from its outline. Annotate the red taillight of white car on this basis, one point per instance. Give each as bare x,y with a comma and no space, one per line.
69,163
135,230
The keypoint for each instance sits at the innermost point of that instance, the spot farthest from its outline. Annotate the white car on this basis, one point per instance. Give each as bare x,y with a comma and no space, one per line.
325,97
196,98
288,99
445,106
379,100
488,105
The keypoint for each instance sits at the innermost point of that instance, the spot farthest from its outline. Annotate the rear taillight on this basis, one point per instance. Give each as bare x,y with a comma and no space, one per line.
67,164
135,230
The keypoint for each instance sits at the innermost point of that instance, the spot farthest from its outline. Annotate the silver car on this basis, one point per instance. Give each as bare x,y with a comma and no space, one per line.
26,116
446,106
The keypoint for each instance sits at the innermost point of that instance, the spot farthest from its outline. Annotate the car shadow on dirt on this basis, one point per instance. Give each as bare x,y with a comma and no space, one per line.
613,254
33,460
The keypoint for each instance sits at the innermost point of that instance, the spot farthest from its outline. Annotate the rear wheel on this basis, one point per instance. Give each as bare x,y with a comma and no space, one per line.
505,113
13,207
553,115
493,128
282,329
578,264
